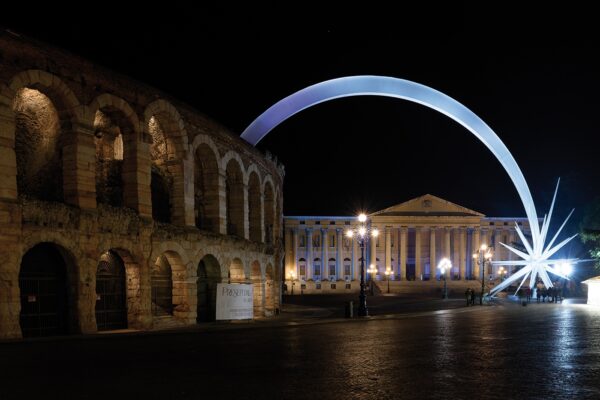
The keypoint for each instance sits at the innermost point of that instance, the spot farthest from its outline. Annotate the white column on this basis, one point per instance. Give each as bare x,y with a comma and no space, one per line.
463,252
355,259
475,246
388,248
339,254
446,250
418,263
432,260
309,254
325,253
403,246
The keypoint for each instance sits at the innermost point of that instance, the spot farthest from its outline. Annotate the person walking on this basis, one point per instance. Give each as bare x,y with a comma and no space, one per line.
472,297
468,296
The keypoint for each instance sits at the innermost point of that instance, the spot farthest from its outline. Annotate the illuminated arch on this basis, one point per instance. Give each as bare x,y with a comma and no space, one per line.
369,85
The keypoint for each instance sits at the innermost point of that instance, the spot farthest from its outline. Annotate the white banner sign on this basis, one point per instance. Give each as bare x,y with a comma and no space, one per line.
234,301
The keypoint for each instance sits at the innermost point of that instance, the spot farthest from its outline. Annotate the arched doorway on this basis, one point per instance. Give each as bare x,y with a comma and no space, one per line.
209,274
257,288
234,195
206,189
161,181
254,208
111,293
162,288
38,145
44,288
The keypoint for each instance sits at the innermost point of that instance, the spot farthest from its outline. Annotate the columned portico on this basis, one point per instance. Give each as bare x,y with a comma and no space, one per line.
441,229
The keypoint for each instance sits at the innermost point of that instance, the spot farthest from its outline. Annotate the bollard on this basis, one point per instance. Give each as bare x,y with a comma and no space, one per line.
349,309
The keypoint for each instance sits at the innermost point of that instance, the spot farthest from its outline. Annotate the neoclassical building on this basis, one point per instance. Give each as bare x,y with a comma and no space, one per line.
121,207
413,237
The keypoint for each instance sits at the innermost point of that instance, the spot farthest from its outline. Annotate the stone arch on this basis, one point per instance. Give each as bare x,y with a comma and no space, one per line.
258,288
368,85
270,290
165,127
121,172
235,198
48,284
255,216
269,210
170,286
237,272
40,112
111,292
207,207
137,305
277,231
208,275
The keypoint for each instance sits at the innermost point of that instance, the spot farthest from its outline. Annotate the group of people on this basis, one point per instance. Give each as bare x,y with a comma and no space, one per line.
470,295
553,294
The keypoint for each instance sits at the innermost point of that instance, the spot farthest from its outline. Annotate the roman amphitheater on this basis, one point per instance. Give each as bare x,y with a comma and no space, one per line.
121,207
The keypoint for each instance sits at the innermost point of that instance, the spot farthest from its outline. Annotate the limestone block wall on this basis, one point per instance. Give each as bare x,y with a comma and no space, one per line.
78,145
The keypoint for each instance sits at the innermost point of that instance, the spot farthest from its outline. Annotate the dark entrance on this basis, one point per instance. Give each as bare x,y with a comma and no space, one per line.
162,288
208,277
43,285
111,293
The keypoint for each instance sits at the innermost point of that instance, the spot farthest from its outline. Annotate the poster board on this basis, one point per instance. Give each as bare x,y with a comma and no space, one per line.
234,301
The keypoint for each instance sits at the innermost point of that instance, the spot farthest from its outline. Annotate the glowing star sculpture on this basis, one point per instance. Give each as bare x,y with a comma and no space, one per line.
536,261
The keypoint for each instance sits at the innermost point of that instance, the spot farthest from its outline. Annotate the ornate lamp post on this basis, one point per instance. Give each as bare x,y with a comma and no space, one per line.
483,257
388,273
362,232
445,265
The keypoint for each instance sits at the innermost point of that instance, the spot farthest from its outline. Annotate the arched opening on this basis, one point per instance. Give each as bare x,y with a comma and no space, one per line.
236,271
47,291
270,294
111,292
317,269
209,274
161,181
302,269
347,269
206,189
257,287
160,188
113,139
38,145
162,287
269,213
234,193
254,208
331,270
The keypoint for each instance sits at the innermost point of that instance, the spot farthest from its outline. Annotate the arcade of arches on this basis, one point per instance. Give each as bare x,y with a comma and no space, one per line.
121,207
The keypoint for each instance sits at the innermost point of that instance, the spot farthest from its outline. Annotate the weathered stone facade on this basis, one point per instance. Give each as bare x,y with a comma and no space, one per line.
99,170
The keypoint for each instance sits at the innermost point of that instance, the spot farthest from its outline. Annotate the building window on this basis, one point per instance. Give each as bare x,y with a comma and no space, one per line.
316,240
333,285
318,286
317,268
302,222
302,240
347,267
348,286
303,286
331,222
346,243
317,222
302,267
332,267
346,222
332,240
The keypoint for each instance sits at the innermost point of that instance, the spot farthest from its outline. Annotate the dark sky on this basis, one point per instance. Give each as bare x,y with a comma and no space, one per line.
532,79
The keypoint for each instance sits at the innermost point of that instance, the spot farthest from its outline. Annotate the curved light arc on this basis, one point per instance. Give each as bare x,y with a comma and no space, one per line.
370,85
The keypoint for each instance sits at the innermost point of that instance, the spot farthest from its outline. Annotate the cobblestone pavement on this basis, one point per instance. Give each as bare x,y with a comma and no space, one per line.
505,351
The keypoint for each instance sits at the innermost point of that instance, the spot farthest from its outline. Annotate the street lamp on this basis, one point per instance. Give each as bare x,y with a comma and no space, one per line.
293,277
387,275
362,232
483,256
445,265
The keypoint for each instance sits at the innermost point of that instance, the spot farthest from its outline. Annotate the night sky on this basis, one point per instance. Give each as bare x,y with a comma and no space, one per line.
532,80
